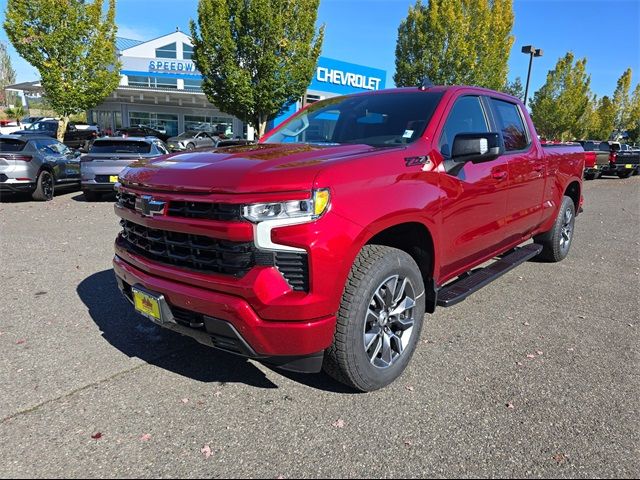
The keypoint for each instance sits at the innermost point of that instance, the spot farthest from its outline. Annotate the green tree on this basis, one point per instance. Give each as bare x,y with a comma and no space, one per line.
72,45
633,125
559,108
7,73
455,42
257,57
622,100
602,121
515,88
17,112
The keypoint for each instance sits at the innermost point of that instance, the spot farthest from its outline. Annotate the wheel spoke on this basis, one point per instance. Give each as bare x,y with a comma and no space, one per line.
387,352
376,351
371,316
390,289
407,304
400,291
403,324
396,342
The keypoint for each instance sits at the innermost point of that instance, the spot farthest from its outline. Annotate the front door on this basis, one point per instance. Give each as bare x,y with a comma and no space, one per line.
475,194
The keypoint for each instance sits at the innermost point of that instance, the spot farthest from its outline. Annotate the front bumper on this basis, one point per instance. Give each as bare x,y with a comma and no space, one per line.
93,186
229,323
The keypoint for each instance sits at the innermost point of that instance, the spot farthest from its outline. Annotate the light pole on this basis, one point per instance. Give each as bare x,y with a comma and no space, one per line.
533,52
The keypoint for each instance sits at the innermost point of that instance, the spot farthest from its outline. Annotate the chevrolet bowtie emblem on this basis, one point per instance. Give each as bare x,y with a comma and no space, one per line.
149,207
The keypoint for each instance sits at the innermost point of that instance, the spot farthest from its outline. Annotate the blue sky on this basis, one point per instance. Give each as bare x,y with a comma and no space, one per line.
607,32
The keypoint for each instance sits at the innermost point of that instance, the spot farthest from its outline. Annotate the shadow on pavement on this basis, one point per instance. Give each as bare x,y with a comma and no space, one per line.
105,197
6,197
136,336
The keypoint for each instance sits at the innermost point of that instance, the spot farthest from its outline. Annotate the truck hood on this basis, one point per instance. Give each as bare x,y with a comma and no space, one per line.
261,168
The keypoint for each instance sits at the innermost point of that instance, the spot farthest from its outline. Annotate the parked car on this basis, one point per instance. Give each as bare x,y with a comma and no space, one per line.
191,139
36,164
73,138
141,131
108,156
324,245
623,162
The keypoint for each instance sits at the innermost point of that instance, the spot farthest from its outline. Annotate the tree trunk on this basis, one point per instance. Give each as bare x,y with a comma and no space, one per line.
260,124
62,128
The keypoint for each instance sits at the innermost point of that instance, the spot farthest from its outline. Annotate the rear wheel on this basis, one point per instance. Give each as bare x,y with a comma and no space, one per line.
625,174
45,187
590,176
557,241
379,320
191,147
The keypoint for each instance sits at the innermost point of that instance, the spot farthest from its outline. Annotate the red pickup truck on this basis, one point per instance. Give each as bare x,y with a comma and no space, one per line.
325,244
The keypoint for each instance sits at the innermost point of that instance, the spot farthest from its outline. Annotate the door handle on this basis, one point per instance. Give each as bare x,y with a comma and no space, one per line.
499,175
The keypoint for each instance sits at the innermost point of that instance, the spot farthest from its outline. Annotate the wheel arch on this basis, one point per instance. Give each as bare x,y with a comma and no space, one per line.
573,191
416,239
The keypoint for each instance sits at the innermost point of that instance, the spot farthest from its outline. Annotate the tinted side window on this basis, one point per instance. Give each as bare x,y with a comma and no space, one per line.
511,124
466,116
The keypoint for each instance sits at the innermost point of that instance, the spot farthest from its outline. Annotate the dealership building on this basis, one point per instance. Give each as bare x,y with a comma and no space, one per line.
160,87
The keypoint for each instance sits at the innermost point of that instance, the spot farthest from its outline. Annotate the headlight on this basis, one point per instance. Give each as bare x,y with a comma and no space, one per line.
295,209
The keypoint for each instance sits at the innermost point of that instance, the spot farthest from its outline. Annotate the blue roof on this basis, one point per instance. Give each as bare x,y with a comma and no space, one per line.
124,43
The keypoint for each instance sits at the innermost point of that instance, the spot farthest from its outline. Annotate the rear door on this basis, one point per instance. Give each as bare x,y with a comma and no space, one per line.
527,169
475,196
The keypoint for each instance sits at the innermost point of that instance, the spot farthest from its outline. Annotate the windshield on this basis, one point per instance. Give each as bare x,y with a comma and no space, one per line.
42,127
119,146
384,119
187,134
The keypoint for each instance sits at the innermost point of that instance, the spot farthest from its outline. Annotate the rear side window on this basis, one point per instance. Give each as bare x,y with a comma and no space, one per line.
119,146
11,145
511,125
466,116
50,146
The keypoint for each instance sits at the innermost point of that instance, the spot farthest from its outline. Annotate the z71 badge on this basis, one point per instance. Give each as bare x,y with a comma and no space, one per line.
415,161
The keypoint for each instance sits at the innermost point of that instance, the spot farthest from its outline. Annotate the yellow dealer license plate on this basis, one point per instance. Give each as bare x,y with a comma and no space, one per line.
628,165
147,305
113,178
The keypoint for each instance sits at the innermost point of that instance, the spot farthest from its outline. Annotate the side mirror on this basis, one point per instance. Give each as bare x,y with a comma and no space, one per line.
476,147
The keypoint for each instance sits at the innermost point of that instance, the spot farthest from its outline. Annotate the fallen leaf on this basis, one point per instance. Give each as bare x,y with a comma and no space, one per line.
519,364
338,423
569,349
510,406
582,316
539,352
206,451
21,341
217,394
96,436
409,388
146,437
185,400
526,324
407,443
559,458
40,293
530,355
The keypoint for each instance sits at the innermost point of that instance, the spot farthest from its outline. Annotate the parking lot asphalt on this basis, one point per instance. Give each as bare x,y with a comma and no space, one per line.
536,375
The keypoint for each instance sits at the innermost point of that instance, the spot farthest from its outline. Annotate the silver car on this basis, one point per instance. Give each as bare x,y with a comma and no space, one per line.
36,164
108,156
191,139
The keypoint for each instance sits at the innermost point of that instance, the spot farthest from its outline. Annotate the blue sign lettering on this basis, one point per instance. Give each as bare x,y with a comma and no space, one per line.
172,66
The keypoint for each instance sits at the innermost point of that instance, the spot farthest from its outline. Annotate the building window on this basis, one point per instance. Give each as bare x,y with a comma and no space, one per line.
162,122
193,84
168,51
187,51
205,123
162,82
135,81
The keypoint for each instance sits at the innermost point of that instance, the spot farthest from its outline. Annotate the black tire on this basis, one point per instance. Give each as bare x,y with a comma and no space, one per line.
190,147
625,174
90,196
590,176
556,243
45,187
348,360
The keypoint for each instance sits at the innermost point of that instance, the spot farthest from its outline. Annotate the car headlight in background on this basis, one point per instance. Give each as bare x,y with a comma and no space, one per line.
308,210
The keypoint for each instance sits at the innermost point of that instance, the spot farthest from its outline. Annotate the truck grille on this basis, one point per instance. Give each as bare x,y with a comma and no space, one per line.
294,267
195,252
200,210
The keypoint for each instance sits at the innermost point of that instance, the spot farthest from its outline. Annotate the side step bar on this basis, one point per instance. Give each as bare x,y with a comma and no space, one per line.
457,291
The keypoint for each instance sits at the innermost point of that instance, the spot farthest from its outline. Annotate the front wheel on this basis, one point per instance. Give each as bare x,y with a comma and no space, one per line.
45,186
191,147
625,174
557,241
379,320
